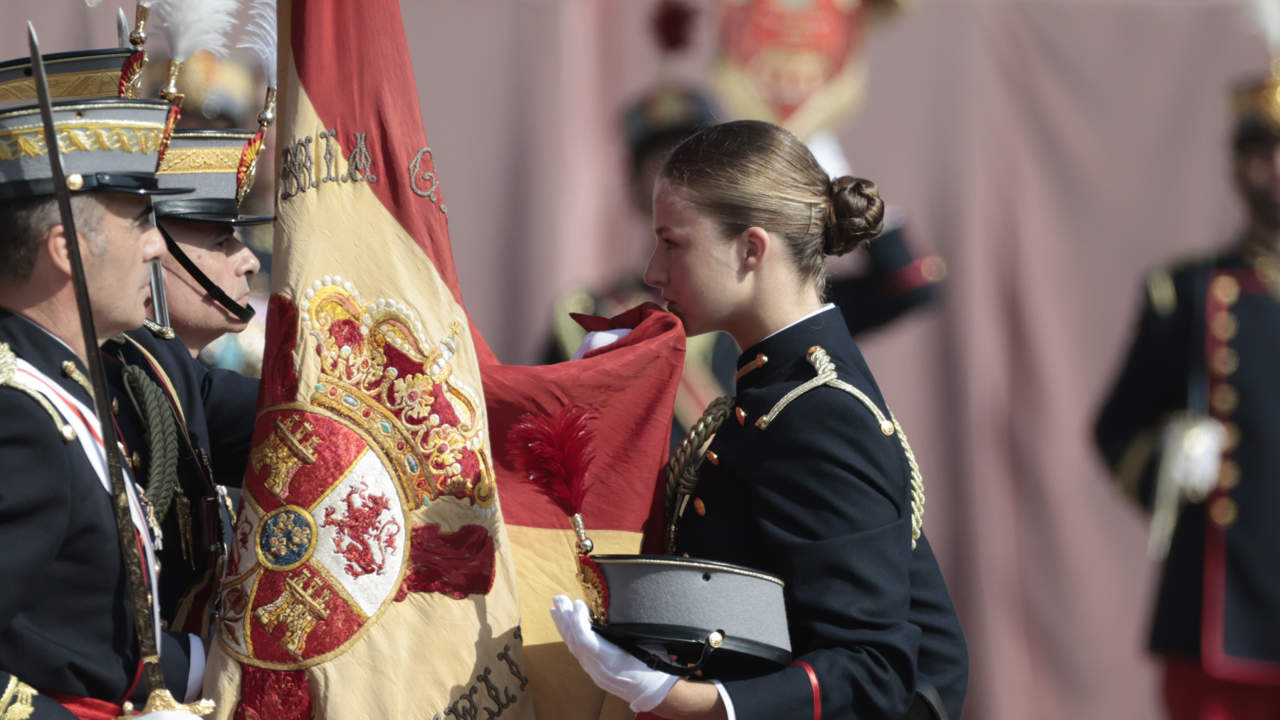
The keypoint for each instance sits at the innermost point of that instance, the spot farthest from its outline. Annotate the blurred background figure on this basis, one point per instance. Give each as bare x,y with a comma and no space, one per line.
1189,432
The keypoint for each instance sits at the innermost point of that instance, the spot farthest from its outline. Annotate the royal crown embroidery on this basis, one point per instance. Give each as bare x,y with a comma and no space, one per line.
377,372
324,539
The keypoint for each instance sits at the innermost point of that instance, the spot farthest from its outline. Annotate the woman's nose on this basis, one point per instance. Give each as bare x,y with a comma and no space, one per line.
654,276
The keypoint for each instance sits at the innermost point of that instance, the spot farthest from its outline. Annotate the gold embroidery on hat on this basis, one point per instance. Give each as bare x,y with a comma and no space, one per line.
199,160
86,83
19,143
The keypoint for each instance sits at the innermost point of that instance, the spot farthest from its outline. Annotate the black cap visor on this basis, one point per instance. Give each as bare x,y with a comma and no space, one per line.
211,210
128,183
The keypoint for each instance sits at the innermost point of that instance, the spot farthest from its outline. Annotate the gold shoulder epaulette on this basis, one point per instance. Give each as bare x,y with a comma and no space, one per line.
18,699
8,368
826,369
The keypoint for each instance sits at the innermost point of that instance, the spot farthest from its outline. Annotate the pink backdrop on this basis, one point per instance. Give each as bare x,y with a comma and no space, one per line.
1050,150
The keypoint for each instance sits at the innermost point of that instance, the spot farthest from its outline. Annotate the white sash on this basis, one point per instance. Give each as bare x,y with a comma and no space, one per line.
89,433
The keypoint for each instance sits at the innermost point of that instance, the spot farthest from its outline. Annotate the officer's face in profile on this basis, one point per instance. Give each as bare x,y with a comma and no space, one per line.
693,265
116,255
1257,169
215,249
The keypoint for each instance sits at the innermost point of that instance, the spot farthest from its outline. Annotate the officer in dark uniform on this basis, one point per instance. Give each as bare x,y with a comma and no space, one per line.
189,427
1201,373
803,474
67,642
807,409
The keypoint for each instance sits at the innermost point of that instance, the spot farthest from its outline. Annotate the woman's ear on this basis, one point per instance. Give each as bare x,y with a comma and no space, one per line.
755,243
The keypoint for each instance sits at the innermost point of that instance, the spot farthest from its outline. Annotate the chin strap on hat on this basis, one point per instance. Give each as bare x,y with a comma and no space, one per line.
243,313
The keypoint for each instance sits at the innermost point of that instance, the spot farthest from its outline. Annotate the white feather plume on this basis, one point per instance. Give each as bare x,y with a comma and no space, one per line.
261,38
1267,14
194,25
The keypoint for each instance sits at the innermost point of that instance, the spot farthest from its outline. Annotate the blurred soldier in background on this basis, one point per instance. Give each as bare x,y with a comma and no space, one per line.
1189,430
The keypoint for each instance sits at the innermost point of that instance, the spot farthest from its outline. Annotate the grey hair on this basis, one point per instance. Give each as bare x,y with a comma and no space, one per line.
28,221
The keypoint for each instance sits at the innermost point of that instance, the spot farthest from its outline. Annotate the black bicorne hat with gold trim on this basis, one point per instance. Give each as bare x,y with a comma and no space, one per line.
218,164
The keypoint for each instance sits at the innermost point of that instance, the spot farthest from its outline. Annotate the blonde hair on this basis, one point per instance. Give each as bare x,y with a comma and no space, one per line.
749,173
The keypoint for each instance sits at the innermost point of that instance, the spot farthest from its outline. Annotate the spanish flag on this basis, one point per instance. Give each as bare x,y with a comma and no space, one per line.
372,570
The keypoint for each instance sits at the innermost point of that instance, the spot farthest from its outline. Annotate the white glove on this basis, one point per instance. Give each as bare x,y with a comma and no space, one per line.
1193,447
609,666
168,715
598,339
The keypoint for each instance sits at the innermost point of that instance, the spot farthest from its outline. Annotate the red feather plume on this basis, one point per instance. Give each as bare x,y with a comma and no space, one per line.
555,452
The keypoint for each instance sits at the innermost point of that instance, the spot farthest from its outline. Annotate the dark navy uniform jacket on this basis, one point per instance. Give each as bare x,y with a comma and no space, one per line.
821,498
1210,336
65,620
218,409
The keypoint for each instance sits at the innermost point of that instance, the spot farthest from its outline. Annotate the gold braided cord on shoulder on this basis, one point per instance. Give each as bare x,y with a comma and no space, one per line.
17,702
8,367
826,370
682,467
917,486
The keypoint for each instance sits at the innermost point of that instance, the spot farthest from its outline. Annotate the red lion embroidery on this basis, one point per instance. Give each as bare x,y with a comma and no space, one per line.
363,539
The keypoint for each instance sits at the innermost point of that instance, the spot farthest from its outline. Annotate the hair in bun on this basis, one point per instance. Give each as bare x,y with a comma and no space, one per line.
749,173
857,215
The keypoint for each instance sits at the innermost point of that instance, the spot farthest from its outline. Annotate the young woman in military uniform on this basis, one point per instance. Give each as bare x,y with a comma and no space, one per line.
808,475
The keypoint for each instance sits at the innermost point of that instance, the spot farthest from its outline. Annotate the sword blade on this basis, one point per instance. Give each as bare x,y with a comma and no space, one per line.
159,302
122,29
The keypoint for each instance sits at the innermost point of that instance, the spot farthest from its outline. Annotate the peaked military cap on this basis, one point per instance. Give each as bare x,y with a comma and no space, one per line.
77,75
689,615
106,144
218,165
